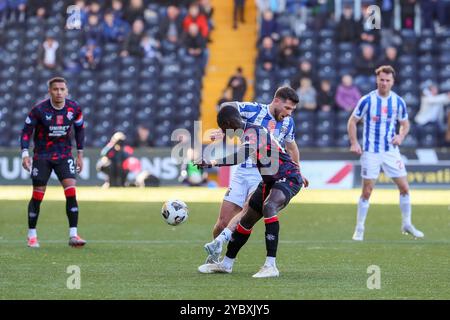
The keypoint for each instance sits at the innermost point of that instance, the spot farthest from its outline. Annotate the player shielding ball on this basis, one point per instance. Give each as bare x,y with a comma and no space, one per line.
380,110
276,118
51,121
281,181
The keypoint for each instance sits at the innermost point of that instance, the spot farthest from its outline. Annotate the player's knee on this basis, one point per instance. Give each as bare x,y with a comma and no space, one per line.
270,209
70,192
367,192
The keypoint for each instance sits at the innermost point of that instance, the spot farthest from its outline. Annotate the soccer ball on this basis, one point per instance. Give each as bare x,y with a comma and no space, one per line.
174,212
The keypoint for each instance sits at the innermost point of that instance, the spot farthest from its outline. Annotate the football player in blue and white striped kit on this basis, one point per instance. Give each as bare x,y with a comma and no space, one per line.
276,117
380,110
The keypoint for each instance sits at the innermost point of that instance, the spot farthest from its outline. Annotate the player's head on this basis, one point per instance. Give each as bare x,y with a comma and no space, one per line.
57,89
229,118
284,102
385,79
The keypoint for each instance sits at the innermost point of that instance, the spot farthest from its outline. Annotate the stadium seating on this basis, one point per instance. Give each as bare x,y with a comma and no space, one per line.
121,93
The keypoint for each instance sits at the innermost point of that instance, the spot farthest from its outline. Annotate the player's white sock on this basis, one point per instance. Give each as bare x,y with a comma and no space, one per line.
32,233
270,262
73,232
225,235
405,208
227,262
363,208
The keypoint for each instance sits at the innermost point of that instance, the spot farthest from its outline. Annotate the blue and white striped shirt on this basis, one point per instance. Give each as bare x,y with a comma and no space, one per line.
380,116
259,114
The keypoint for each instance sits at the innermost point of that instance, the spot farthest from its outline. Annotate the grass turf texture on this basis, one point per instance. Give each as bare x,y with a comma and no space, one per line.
132,254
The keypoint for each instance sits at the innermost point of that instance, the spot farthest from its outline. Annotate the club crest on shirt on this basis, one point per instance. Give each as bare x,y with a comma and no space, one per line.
70,115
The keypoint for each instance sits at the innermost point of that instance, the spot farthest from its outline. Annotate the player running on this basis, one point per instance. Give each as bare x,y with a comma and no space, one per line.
380,110
281,180
51,120
276,118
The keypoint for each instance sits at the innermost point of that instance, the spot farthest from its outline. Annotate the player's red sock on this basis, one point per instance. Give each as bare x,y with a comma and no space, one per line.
71,206
34,207
238,239
272,232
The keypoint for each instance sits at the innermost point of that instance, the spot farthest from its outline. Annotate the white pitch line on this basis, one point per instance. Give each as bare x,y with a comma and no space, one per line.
125,242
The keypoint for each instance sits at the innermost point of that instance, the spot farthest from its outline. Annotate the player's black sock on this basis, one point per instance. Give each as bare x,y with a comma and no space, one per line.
33,208
71,206
272,232
238,239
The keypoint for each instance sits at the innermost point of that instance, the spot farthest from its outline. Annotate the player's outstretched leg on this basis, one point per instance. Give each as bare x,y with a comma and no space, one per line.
238,239
72,213
33,214
405,208
274,203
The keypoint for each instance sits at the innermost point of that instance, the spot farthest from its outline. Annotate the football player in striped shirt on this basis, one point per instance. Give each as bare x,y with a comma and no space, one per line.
380,111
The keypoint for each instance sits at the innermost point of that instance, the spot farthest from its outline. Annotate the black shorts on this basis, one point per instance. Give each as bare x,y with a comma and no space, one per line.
290,186
42,169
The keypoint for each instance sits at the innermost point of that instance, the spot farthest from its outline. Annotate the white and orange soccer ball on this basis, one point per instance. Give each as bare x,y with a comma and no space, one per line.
174,212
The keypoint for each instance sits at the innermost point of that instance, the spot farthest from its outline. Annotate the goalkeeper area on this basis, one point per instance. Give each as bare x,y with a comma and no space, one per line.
133,254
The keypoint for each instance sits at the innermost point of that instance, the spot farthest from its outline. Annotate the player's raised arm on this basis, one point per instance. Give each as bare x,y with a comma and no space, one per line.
27,133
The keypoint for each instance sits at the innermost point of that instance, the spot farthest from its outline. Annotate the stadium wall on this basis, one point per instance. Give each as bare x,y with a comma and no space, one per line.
427,168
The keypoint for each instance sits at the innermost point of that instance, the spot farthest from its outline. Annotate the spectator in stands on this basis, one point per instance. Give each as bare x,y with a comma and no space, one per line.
134,11
432,11
389,58
83,10
432,106
191,174
142,137
307,95
207,10
267,55
171,26
305,71
90,55
269,26
288,52
132,43
321,10
49,53
150,46
238,9
365,64
238,85
227,96
195,44
347,94
3,13
95,8
387,10
117,8
276,6
93,30
17,10
194,16
325,97
114,29
369,33
408,13
348,30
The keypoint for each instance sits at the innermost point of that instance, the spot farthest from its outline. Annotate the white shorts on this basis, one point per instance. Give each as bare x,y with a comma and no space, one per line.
243,182
390,161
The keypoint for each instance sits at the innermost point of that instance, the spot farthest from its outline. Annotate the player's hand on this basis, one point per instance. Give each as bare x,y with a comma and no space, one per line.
26,163
206,164
356,148
216,135
305,181
397,140
79,163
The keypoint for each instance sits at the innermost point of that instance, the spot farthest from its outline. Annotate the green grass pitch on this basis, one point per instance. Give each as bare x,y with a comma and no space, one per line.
133,254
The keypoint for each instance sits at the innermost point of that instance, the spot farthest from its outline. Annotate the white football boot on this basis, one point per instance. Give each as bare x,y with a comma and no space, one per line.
267,272
213,249
358,235
410,229
214,268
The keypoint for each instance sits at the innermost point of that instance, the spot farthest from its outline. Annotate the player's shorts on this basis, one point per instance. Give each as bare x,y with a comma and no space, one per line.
290,186
243,182
391,162
42,169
